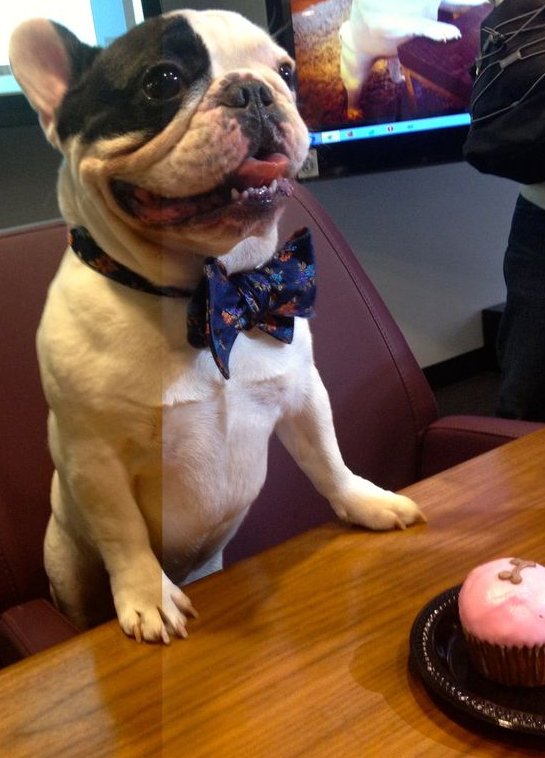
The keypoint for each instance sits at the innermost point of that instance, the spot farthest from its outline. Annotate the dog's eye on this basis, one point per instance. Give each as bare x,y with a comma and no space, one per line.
287,73
162,82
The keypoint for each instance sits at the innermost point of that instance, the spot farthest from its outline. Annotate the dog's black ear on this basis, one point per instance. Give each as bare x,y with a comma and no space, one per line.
46,59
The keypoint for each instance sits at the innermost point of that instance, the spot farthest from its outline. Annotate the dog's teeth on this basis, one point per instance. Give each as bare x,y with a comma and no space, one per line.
263,192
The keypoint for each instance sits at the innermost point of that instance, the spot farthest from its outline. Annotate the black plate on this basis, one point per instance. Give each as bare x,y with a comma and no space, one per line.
439,652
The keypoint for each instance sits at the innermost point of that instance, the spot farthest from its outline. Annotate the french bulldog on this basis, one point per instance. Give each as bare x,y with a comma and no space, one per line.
181,141
376,28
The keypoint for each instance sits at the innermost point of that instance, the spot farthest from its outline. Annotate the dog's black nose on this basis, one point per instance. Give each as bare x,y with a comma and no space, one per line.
246,94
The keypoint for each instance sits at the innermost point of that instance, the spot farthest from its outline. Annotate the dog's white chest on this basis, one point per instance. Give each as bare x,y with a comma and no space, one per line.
194,445
213,451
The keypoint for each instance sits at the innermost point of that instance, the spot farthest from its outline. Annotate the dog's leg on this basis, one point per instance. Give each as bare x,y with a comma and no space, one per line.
393,29
355,68
78,581
98,497
309,436
395,71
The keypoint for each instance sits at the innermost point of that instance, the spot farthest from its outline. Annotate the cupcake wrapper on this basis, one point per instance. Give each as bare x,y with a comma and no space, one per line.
513,666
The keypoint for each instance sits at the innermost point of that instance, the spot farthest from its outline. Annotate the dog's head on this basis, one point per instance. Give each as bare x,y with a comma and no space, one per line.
181,136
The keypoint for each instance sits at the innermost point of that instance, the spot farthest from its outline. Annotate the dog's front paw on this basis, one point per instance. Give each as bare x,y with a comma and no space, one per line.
442,32
365,504
354,113
152,611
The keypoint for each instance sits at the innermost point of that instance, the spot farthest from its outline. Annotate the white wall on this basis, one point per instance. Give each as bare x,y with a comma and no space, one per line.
432,239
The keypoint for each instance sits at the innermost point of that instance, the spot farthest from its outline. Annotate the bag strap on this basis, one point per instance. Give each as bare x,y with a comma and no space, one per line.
499,35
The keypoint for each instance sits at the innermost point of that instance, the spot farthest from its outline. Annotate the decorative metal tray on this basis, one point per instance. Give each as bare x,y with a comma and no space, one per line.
438,650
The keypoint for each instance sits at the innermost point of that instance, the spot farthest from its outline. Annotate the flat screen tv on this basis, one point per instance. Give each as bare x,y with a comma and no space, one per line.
94,21
412,107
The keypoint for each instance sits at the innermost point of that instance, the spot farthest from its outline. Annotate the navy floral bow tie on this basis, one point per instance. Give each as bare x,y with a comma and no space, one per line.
268,297
224,305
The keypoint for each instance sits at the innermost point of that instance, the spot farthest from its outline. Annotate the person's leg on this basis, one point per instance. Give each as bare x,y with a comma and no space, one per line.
521,337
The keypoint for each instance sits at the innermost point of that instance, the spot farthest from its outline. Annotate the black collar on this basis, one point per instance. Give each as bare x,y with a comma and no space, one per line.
93,256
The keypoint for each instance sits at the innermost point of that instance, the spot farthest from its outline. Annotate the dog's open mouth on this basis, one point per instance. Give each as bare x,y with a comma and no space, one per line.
256,185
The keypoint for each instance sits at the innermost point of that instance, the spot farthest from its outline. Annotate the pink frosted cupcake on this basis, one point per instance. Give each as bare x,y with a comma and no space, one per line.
502,612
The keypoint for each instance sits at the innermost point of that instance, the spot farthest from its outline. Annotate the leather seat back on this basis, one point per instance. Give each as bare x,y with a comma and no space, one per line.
29,257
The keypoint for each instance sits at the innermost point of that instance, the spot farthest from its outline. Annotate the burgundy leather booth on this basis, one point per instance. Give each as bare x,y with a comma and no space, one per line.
384,410
28,259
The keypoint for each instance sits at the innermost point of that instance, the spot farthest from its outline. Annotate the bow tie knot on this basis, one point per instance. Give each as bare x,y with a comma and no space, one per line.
269,297
224,305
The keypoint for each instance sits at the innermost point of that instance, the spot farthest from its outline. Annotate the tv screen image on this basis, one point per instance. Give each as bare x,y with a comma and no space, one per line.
412,108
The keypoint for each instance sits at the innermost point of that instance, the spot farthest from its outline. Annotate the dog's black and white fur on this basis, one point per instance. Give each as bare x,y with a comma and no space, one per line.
158,457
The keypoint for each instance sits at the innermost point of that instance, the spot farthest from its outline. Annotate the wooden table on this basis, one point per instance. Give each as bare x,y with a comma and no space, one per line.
300,651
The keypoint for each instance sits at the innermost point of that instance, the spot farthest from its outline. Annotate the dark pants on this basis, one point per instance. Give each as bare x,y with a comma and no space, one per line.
521,337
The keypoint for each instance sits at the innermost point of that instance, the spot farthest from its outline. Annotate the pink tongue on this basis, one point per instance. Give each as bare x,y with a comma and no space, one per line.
257,173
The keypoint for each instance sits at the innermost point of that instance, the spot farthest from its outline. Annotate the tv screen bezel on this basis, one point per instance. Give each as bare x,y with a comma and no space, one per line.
392,152
15,110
